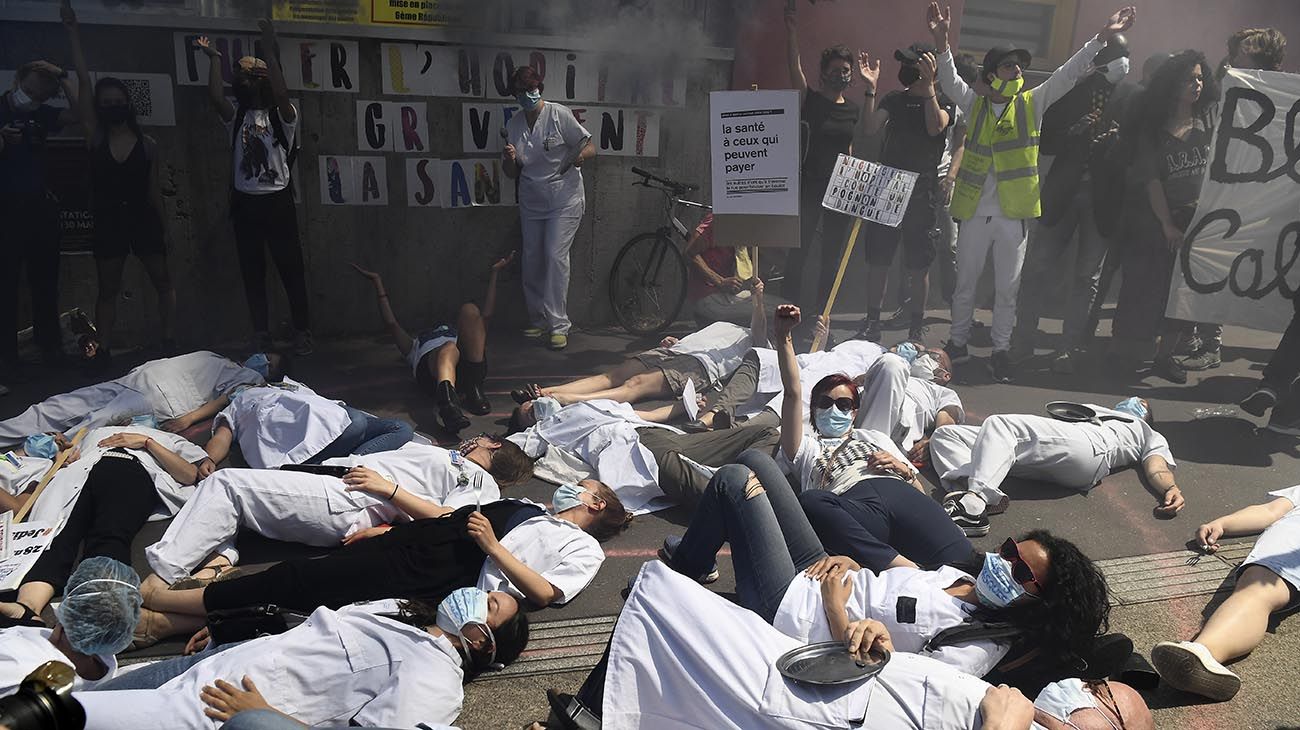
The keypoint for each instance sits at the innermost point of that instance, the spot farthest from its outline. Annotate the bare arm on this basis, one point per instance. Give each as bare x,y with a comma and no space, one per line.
1245,521
873,119
401,337
936,119
198,415
85,95
279,89
218,447
490,299
216,86
181,470
797,79
418,508
1161,478
787,317
757,316
532,584
957,89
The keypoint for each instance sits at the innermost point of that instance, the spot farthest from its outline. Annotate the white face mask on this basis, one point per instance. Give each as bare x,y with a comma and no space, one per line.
1115,70
923,367
1064,698
545,407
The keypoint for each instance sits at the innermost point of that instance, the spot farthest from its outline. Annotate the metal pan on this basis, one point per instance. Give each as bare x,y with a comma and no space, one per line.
828,662
1064,410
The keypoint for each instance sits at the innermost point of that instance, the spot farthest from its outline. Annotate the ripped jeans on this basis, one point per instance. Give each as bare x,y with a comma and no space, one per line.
771,538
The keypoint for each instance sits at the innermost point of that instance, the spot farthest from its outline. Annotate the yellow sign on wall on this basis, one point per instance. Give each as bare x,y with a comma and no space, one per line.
427,13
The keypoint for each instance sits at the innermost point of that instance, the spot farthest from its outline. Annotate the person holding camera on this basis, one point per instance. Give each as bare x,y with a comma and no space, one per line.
30,212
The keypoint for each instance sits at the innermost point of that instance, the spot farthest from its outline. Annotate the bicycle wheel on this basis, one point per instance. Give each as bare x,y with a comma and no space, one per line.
647,285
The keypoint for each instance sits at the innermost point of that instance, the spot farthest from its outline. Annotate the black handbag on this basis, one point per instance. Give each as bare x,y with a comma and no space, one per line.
233,625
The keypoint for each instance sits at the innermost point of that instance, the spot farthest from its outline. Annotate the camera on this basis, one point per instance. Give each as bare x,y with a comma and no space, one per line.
44,701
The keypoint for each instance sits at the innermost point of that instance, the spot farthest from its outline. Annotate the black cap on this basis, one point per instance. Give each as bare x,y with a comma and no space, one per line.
912,54
1116,47
996,55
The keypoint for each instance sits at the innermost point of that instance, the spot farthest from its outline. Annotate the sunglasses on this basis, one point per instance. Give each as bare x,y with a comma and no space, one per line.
1020,570
844,404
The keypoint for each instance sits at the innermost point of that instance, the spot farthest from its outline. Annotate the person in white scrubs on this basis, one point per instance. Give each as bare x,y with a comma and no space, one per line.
545,150
554,556
177,391
1268,581
288,423
972,461
125,477
704,358
413,482
20,472
903,399
449,363
373,664
95,620
667,668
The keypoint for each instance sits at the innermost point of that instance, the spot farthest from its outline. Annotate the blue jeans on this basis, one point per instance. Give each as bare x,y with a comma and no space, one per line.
771,539
159,673
366,434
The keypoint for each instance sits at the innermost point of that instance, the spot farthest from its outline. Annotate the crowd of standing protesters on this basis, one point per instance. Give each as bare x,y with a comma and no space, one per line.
817,491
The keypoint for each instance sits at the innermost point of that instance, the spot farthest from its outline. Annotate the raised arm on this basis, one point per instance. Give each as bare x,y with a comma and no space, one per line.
401,337
1161,478
1245,521
540,591
797,79
216,86
787,318
939,21
490,299
1064,78
279,89
757,315
85,93
936,119
873,119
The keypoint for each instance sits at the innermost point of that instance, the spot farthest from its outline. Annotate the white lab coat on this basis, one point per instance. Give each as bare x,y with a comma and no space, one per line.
1075,455
24,648
335,667
61,493
282,424
683,657
602,434
166,388
1278,549
557,549
904,407
912,604
852,358
309,508
719,348
16,472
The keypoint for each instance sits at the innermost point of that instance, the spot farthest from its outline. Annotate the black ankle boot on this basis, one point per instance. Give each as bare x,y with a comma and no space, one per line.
449,407
470,387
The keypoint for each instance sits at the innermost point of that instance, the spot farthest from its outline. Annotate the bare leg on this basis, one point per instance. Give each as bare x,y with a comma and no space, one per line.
637,388
36,596
596,383
187,602
160,625
160,277
110,282
443,363
1238,625
668,413
471,330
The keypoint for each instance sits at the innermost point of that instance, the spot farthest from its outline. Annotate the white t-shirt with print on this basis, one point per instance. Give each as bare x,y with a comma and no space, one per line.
260,164
846,463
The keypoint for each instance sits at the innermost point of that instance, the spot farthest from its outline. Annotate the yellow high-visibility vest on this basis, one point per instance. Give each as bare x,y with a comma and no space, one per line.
1007,147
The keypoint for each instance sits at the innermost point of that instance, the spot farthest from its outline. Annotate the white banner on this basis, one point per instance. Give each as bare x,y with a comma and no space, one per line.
1237,265
309,64
869,190
29,539
616,132
754,143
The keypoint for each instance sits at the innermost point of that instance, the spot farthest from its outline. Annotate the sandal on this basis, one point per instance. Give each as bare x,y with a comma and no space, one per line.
29,618
222,572
527,393
142,637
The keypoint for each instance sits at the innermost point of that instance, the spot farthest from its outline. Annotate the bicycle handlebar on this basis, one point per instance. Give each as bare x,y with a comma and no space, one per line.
674,185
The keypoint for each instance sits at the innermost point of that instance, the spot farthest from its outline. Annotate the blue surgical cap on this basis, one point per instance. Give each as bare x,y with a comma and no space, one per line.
101,606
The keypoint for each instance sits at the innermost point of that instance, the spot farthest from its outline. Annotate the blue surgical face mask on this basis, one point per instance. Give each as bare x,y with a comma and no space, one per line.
567,496
462,607
907,351
545,407
41,445
1134,407
528,100
832,421
146,421
995,586
259,363
1064,698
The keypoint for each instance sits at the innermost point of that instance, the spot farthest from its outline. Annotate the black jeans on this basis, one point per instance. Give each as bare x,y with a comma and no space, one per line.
116,501
30,235
1284,366
270,222
877,519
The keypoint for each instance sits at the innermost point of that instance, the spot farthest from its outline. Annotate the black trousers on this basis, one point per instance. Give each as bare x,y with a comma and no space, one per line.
116,501
29,235
421,560
821,251
1284,366
270,222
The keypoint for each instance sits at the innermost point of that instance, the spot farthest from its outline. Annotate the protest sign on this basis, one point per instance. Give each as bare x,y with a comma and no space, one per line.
1237,262
869,190
26,542
754,145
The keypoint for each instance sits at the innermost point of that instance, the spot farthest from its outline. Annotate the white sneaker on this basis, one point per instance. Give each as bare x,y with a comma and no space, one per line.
1190,667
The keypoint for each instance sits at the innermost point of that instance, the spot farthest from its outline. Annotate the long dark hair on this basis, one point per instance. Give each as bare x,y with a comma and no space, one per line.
110,82
1073,609
1160,99
511,637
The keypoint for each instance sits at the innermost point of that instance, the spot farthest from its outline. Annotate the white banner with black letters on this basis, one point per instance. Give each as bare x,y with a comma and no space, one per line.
1238,264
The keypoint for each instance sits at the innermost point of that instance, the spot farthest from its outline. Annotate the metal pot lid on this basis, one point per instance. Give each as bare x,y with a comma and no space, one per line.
828,662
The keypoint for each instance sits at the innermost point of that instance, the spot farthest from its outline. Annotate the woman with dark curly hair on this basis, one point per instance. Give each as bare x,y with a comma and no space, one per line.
1173,138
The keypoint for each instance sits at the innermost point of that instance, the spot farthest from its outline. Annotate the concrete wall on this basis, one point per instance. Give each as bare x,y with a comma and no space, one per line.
430,257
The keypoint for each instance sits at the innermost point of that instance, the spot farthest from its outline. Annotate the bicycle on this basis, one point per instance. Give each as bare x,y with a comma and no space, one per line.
647,284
